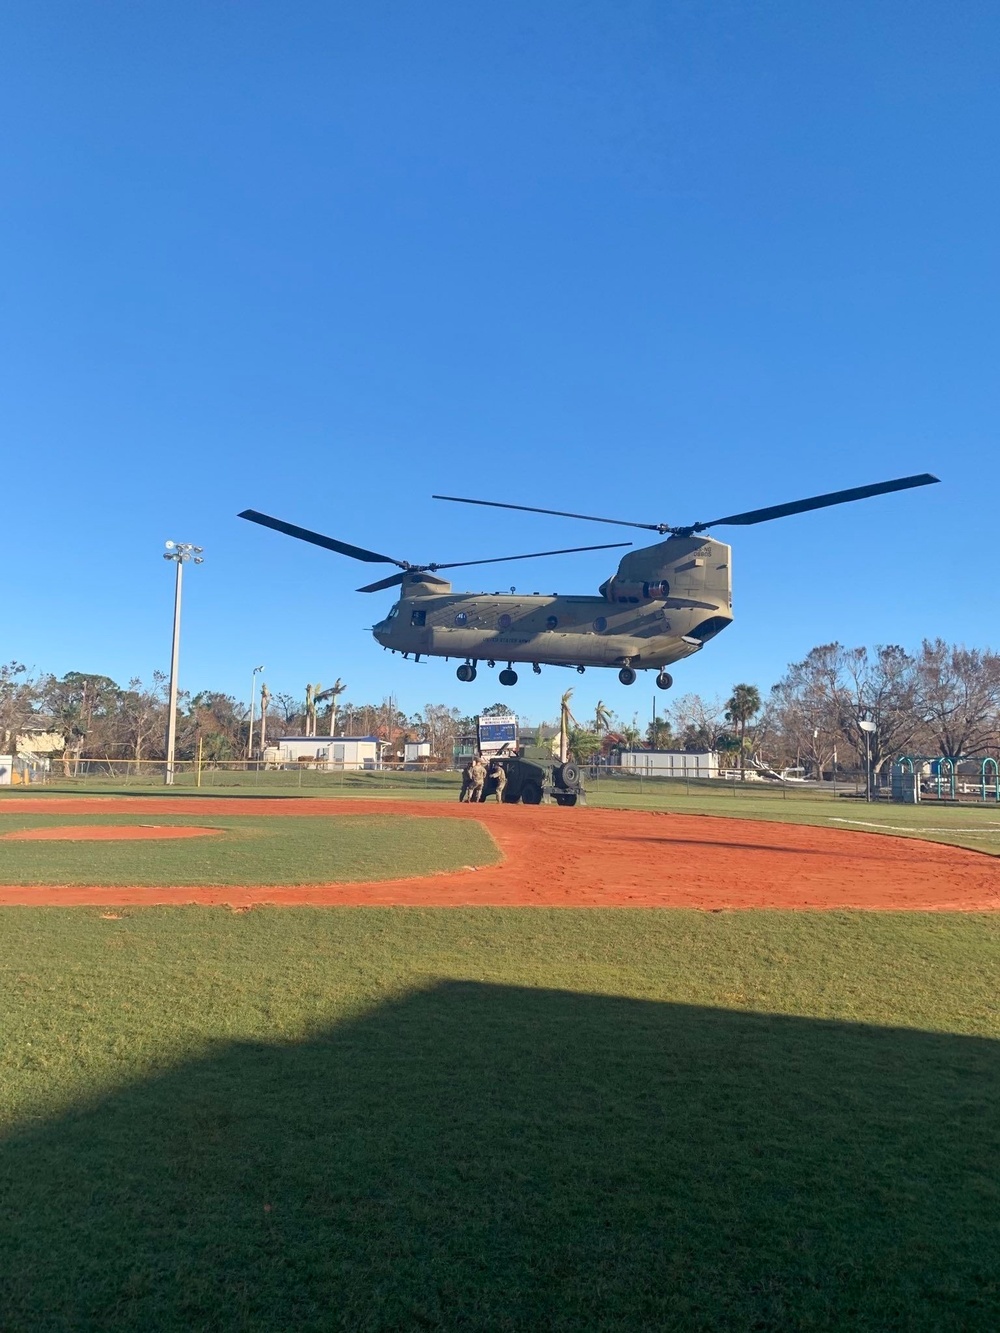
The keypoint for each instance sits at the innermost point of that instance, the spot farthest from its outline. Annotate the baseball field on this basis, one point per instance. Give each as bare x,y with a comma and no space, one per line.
276,1062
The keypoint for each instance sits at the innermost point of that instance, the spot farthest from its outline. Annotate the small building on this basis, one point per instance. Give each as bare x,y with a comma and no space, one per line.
332,752
670,763
416,754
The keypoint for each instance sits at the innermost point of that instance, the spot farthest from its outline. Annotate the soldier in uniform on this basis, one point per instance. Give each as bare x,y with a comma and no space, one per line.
477,778
466,781
499,775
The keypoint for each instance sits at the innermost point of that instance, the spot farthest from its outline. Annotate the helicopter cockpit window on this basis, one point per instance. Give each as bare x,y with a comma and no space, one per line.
394,612
418,617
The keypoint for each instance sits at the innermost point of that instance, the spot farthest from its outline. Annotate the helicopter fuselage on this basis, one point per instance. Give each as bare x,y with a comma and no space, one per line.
662,605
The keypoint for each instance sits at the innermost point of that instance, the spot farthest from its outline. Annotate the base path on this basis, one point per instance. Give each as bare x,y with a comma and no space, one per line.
107,833
561,857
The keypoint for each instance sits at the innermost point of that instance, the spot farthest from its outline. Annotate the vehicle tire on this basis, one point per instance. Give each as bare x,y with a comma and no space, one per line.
664,680
566,798
569,775
626,676
466,673
507,677
531,794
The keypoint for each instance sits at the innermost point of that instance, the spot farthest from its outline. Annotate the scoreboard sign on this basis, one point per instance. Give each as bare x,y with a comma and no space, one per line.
498,733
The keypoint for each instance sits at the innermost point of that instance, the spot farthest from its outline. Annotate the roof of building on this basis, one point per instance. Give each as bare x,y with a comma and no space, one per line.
377,740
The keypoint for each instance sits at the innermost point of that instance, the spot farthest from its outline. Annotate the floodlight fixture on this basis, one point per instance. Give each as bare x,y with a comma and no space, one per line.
180,553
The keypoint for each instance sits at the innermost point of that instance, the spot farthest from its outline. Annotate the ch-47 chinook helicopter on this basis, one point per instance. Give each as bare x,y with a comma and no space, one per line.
664,604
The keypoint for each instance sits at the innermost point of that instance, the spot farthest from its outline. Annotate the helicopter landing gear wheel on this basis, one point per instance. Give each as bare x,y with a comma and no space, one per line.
626,676
664,680
507,677
466,673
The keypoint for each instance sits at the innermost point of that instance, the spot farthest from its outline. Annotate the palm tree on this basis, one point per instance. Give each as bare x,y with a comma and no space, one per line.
741,706
602,717
338,687
265,699
565,718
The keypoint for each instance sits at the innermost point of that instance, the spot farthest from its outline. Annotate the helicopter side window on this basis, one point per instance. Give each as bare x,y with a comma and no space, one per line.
600,624
551,622
418,617
461,618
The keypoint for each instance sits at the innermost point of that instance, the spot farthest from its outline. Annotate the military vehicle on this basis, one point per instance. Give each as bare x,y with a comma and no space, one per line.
665,602
539,780
533,775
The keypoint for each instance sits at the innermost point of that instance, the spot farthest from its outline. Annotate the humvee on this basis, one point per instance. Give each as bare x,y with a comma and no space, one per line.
538,780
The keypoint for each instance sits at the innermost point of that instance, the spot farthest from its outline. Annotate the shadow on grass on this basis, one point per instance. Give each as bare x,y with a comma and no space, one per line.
667,840
485,1157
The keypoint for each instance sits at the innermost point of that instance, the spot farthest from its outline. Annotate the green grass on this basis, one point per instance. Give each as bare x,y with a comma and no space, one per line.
975,826
499,1120
247,850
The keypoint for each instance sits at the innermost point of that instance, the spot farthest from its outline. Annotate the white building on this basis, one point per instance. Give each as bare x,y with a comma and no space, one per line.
670,763
416,752
331,752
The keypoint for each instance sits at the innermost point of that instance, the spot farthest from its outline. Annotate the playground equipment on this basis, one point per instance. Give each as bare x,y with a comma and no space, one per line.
916,777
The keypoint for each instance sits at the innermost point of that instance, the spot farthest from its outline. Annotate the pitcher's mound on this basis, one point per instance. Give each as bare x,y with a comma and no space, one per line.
108,833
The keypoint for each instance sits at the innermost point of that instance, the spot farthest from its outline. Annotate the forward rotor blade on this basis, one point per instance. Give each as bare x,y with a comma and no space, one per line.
559,513
318,539
819,502
533,555
394,580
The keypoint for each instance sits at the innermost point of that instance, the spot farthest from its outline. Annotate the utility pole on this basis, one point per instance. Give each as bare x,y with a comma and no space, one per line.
180,553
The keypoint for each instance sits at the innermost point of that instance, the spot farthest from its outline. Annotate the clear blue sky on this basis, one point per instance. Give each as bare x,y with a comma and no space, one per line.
655,259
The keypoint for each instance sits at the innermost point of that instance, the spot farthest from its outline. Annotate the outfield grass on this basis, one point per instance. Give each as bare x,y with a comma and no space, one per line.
247,850
499,1120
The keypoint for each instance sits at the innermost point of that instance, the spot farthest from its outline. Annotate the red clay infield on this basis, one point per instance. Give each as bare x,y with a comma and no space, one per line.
107,833
556,857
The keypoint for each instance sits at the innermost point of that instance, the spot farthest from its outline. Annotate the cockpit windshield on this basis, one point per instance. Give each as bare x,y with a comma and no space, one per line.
394,611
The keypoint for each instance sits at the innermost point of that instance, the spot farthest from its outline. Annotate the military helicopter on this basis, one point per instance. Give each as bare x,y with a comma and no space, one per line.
664,604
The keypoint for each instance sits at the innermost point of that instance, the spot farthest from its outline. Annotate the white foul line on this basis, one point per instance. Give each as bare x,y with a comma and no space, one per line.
913,828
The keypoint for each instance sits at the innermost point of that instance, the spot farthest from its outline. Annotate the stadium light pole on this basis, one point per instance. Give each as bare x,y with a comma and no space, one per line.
253,687
180,553
867,726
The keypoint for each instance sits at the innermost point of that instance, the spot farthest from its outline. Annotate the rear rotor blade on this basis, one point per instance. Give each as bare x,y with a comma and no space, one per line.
533,555
559,513
818,502
318,539
394,580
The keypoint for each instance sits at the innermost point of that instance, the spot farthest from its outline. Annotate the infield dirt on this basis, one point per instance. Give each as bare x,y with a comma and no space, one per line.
557,857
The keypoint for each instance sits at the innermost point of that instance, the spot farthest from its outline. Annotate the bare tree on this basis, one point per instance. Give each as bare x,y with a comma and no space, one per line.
698,723
143,713
439,726
18,694
959,696
841,687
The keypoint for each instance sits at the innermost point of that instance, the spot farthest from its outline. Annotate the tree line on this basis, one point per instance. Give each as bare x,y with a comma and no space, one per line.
943,699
